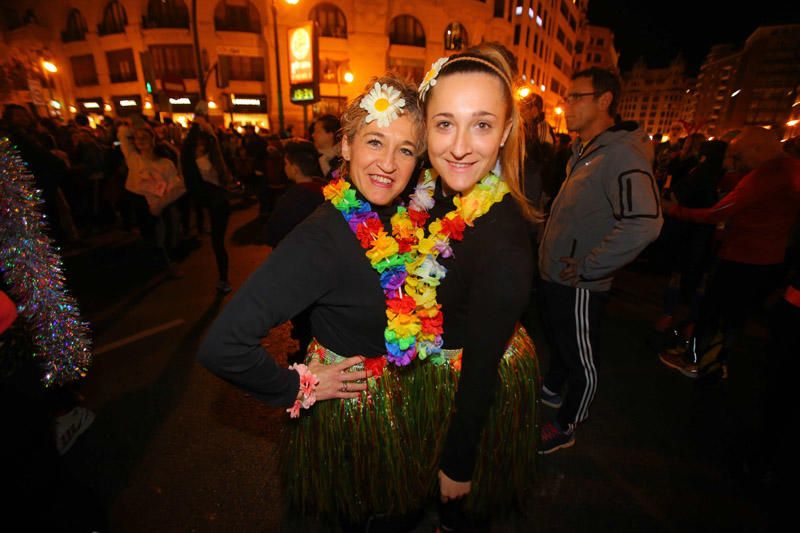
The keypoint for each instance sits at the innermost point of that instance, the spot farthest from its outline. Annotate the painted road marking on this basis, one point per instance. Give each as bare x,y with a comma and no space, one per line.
138,336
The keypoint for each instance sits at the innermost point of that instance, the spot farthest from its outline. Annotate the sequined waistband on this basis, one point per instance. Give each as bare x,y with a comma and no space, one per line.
318,352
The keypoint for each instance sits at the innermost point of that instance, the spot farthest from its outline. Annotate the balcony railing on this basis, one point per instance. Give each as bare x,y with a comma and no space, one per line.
176,21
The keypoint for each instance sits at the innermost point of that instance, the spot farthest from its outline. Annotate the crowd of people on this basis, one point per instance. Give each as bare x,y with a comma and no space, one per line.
169,183
416,231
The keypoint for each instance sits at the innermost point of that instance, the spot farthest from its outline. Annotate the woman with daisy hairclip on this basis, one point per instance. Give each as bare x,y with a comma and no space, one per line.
477,231
345,456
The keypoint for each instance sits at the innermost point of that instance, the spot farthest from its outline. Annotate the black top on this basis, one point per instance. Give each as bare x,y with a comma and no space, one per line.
483,295
322,266
319,265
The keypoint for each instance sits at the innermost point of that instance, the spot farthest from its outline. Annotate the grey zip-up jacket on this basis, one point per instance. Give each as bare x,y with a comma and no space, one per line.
607,210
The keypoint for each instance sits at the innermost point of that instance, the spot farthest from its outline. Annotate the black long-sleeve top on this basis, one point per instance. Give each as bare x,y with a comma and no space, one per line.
483,295
322,266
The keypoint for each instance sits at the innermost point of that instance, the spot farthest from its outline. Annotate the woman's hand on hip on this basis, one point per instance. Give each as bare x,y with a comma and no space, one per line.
336,382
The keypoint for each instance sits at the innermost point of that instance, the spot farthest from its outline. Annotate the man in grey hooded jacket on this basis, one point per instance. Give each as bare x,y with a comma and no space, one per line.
605,214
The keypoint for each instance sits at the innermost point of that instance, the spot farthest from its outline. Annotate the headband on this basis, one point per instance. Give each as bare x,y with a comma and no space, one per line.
432,75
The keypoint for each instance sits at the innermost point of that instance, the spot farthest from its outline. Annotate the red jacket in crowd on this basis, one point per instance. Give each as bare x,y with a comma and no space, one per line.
758,213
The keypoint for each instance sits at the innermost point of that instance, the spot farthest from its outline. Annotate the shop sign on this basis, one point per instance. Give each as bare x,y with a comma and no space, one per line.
249,103
90,105
304,63
125,105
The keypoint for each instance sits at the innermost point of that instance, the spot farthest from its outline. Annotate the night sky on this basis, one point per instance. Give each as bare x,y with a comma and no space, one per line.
658,31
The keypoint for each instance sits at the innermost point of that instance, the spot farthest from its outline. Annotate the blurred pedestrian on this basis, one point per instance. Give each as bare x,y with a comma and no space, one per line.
295,205
326,136
47,163
759,214
301,166
206,178
154,185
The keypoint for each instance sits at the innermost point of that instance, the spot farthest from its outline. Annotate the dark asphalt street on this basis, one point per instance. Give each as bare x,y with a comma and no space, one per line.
173,448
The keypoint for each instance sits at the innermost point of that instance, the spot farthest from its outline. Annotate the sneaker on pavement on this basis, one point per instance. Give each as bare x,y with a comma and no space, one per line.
713,366
677,360
551,399
70,426
553,439
712,374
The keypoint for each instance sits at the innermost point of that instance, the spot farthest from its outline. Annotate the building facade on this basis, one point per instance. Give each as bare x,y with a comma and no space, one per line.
756,85
656,97
115,57
714,88
595,48
767,79
544,39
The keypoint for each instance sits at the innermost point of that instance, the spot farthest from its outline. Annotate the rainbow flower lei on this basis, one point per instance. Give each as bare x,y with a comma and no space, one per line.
407,316
424,272
406,260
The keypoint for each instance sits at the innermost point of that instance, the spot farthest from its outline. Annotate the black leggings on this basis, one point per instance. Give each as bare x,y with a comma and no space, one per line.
219,211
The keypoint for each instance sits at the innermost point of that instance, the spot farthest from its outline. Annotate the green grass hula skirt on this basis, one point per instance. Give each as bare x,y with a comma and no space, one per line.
379,454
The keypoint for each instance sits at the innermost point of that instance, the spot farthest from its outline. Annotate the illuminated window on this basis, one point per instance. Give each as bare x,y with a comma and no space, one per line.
83,70
331,21
114,19
455,36
10,19
238,16
175,60
499,8
76,27
243,68
121,67
166,14
406,30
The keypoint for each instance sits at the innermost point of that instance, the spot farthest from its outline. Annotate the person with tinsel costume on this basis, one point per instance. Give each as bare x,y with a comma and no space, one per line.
44,346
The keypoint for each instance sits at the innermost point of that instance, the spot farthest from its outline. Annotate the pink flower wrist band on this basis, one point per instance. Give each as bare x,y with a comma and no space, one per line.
307,395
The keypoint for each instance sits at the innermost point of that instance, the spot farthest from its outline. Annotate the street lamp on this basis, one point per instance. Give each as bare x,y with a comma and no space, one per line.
559,111
348,78
523,92
48,68
278,59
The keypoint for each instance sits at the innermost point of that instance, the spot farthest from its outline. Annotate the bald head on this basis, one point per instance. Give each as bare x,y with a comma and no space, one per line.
753,147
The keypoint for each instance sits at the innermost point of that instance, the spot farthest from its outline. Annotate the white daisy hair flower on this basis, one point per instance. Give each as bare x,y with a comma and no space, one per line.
382,103
430,78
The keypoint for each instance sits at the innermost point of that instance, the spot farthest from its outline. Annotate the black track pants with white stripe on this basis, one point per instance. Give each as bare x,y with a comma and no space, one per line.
572,323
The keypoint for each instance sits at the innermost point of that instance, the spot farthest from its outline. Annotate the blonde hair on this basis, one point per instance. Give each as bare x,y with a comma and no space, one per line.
354,117
494,59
